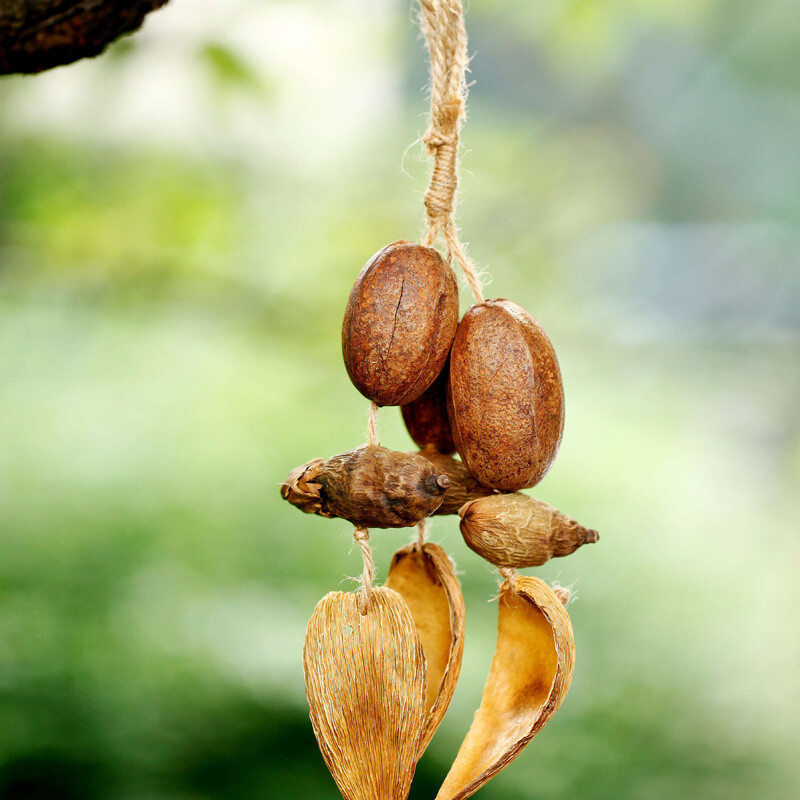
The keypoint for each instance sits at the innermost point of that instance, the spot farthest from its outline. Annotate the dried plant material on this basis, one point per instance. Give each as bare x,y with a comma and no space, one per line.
371,486
427,582
529,677
516,530
365,681
506,400
399,323
426,417
463,484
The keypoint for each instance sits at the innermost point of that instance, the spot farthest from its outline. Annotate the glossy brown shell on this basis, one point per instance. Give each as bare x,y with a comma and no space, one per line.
506,399
426,417
399,323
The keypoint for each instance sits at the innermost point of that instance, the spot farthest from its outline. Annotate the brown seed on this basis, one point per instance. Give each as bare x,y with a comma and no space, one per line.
463,486
371,486
365,681
426,417
529,677
516,530
427,582
399,323
506,399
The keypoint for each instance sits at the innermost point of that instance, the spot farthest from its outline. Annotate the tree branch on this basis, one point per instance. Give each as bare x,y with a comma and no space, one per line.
36,35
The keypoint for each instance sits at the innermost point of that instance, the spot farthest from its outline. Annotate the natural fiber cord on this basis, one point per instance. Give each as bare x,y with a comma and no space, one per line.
442,23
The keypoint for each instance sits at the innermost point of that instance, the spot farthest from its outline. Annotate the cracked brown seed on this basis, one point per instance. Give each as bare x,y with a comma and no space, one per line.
399,323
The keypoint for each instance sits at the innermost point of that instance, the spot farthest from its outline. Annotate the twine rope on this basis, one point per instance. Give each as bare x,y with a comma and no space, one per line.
422,530
373,439
442,23
361,535
510,575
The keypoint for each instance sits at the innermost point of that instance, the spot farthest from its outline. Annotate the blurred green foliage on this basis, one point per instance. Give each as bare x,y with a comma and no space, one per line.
169,323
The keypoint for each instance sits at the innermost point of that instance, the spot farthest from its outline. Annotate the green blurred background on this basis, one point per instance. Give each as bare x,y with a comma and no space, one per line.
180,224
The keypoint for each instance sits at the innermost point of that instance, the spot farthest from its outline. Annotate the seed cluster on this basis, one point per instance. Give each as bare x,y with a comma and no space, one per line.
380,673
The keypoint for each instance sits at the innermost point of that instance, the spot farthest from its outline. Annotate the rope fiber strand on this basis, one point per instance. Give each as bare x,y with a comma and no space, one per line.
442,23
361,535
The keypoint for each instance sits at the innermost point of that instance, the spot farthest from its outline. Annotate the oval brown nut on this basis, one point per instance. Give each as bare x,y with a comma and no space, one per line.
463,486
516,530
371,486
399,323
506,399
426,417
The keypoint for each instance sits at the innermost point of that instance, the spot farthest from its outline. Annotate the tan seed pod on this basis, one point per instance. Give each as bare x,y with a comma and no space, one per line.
528,679
428,583
516,530
371,486
365,681
426,417
463,485
506,399
399,323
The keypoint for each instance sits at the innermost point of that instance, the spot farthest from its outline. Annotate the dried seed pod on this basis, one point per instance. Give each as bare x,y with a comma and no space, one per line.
516,530
371,486
530,674
463,485
426,417
365,681
506,399
427,582
399,323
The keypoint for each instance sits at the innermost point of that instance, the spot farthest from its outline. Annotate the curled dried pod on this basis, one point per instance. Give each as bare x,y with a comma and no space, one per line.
529,677
371,486
427,581
516,530
463,485
506,399
365,682
399,323
426,417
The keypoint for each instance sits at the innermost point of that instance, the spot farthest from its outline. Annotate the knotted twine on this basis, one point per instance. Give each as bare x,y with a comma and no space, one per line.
442,24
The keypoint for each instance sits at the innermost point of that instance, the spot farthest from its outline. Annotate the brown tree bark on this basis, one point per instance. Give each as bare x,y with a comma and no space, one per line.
36,35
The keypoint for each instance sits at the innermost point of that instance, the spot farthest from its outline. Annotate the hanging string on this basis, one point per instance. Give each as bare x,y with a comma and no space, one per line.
510,575
361,535
422,530
442,23
372,426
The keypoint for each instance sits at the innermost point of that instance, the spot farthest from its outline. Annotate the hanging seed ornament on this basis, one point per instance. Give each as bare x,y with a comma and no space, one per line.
381,664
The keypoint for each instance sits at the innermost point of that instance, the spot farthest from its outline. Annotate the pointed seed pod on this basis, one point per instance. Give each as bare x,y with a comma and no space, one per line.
463,485
399,323
528,679
506,399
365,681
371,486
516,530
426,417
427,582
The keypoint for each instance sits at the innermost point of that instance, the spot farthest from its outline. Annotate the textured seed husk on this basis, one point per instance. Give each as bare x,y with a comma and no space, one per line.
529,677
506,399
427,582
426,417
365,681
399,323
516,530
371,486
463,484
